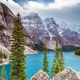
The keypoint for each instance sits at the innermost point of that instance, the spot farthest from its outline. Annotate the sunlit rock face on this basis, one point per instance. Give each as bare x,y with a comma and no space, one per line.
6,17
6,24
41,75
67,74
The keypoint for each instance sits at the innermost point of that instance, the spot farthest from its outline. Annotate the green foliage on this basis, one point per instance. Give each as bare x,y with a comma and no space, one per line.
45,61
38,46
77,52
3,73
1,78
58,65
2,56
17,49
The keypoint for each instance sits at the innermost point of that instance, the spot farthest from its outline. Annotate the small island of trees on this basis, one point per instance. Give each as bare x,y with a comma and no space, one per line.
77,52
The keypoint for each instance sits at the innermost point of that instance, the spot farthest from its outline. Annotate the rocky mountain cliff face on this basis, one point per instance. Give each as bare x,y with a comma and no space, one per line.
48,31
34,26
39,30
6,25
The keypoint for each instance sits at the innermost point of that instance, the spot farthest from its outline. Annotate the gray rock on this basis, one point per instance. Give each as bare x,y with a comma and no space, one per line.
6,24
41,75
67,74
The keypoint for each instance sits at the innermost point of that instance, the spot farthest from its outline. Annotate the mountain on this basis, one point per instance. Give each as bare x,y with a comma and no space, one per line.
51,27
6,25
69,37
34,26
37,28
44,31
48,31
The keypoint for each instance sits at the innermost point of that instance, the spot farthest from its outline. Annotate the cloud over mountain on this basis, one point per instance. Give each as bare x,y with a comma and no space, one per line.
61,10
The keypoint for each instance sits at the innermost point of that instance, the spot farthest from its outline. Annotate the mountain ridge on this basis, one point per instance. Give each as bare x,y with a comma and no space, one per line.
51,30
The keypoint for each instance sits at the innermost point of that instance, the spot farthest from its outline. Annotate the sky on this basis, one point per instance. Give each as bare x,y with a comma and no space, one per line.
40,1
67,11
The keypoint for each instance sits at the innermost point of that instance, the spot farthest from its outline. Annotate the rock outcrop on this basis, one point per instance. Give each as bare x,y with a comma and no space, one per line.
67,74
41,75
6,24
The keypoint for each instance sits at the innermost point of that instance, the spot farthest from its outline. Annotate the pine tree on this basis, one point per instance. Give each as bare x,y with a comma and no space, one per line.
1,57
17,49
58,65
3,73
45,61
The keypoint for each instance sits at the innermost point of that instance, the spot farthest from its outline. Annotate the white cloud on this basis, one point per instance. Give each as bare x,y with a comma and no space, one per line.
15,7
36,6
58,4
57,9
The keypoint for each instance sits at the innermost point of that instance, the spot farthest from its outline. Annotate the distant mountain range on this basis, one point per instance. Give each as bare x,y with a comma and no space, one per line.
49,31
38,32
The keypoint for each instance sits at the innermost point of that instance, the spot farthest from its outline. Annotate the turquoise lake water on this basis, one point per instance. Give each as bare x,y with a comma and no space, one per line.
34,63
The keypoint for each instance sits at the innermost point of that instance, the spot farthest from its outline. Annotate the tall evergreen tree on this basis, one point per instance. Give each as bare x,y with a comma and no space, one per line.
17,49
3,73
1,57
58,65
45,61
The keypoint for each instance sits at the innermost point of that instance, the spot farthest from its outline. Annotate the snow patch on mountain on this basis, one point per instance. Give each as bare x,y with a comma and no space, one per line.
51,26
49,33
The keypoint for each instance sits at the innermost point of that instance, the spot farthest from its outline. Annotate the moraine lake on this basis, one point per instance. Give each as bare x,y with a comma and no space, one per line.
34,63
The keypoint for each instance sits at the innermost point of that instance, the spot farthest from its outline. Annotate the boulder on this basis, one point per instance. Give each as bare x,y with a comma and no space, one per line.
67,74
41,75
